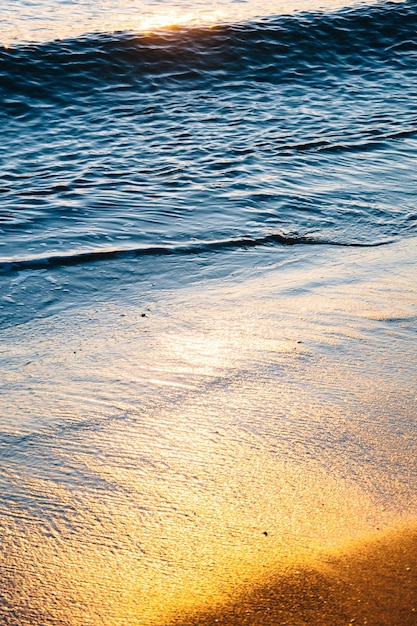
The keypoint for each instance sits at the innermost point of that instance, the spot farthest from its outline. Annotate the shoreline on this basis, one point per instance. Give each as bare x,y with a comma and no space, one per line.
154,438
373,582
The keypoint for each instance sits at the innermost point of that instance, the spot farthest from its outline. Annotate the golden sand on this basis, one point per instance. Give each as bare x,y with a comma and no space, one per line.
374,582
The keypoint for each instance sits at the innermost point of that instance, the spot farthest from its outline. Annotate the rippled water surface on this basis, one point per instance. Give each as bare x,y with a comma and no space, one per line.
23,20
207,297
297,126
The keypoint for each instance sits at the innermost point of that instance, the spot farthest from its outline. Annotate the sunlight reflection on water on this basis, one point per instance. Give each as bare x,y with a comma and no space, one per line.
40,22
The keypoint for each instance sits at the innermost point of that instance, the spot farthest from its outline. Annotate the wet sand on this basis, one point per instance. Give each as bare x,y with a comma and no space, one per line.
374,582
144,457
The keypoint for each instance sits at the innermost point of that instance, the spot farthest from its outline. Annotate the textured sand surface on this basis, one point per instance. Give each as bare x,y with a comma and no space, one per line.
373,583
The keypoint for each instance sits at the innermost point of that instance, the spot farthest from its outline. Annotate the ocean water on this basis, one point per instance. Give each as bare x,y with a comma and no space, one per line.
272,130
207,297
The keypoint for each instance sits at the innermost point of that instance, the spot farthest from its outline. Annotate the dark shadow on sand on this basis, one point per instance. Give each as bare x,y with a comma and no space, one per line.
373,583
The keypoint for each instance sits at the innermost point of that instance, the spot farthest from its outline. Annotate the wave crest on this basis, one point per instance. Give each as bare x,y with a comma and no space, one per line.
306,46
92,256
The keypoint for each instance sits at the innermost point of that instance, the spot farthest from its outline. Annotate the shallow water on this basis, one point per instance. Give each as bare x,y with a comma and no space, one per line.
207,299
144,457
298,127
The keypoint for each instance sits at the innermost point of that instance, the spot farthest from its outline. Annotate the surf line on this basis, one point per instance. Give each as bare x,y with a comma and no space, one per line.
92,256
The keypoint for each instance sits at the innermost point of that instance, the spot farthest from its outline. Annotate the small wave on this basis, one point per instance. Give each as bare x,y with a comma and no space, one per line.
361,143
196,248
299,47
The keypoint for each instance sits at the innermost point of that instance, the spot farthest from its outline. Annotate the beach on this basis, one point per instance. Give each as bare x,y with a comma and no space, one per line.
208,313
182,450
374,582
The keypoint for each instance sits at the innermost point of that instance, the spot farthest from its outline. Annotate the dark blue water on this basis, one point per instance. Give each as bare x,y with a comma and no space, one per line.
285,130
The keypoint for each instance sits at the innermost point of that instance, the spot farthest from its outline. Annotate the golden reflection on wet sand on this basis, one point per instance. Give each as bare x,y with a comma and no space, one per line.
199,537
374,582
162,465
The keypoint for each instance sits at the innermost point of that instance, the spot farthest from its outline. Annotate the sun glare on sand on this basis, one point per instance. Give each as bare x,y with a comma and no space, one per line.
208,453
